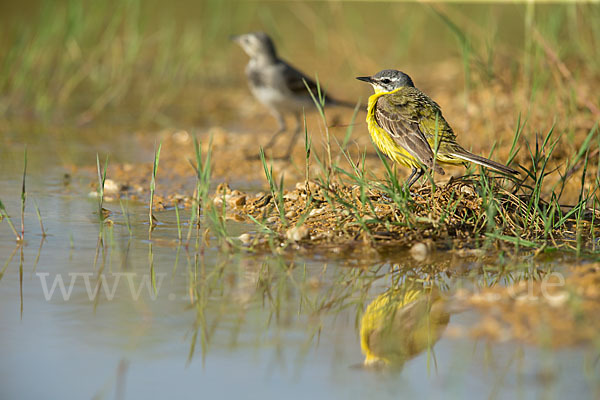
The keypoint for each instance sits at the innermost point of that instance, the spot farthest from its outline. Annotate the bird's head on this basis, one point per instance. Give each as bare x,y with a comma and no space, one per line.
256,44
387,80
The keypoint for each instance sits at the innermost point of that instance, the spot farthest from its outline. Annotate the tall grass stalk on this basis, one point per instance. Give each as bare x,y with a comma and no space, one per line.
529,26
153,186
23,194
203,174
319,101
350,127
276,192
203,178
307,150
465,47
100,190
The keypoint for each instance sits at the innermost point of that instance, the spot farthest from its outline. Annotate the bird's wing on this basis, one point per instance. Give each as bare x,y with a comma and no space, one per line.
295,79
399,117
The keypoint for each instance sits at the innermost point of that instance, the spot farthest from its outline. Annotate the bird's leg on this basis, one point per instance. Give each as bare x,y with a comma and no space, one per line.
294,139
280,130
414,176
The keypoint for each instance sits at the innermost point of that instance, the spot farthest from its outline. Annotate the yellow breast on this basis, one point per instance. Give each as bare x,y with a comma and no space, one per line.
383,140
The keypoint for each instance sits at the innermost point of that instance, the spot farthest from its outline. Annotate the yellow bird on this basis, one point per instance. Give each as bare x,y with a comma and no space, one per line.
408,127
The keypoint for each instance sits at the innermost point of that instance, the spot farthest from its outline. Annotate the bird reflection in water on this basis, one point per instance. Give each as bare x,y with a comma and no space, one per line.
402,323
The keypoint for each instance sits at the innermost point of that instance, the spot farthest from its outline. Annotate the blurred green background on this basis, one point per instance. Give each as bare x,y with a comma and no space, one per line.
156,63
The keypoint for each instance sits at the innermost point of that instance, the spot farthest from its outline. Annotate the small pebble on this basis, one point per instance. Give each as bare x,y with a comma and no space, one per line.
291,196
420,251
290,214
235,200
181,137
297,233
467,190
245,238
110,186
557,300
316,211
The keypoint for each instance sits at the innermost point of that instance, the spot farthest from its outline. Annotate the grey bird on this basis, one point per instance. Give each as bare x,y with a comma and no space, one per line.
278,85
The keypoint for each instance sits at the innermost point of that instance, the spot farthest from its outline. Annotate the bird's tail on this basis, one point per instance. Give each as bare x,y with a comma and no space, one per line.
465,155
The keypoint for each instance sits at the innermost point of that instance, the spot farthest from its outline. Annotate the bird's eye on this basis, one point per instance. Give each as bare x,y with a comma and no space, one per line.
386,81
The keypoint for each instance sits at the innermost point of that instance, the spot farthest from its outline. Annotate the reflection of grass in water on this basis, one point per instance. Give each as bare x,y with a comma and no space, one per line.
5,215
281,288
126,216
266,297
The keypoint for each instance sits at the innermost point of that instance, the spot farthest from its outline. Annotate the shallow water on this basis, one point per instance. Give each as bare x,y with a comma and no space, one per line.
218,322
171,320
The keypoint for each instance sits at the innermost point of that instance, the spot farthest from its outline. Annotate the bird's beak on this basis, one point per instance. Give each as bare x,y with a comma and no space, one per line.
235,38
367,79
